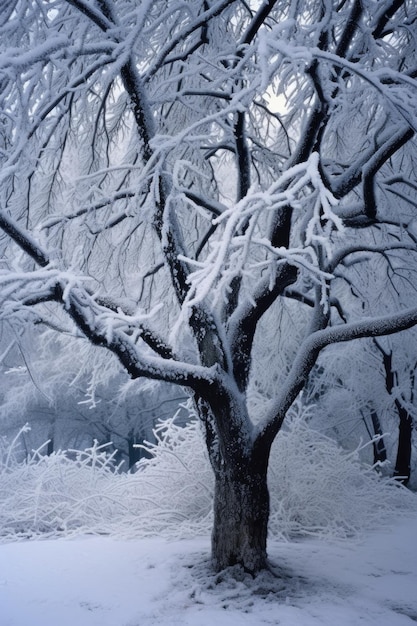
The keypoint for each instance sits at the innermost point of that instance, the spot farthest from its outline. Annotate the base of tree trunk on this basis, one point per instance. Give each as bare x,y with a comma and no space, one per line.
241,512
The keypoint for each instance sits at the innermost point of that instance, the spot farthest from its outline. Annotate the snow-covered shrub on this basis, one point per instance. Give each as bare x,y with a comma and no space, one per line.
316,489
10,452
58,493
178,479
75,492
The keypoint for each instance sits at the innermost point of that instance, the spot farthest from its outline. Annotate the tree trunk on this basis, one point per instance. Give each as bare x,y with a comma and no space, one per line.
403,462
241,512
380,452
134,452
50,446
241,497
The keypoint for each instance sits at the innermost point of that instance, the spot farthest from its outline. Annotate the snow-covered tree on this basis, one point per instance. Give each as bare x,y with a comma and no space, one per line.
179,176
369,388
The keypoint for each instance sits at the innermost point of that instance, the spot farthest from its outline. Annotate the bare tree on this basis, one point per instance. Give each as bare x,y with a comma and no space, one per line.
175,175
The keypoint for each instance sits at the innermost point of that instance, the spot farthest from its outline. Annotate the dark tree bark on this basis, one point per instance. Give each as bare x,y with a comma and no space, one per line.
403,461
241,513
380,452
241,496
402,469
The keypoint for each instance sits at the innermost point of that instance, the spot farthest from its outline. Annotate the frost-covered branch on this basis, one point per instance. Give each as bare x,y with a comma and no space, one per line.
24,240
341,254
104,327
307,355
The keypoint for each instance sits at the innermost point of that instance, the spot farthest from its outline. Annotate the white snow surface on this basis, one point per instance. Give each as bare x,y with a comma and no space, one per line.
105,581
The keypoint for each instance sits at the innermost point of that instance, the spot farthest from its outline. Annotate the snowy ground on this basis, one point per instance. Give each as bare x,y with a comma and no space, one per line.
102,581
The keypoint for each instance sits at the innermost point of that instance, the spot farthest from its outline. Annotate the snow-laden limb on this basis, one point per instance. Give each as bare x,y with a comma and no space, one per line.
18,60
199,21
396,88
112,321
96,16
55,220
391,85
366,250
116,336
24,240
20,289
232,255
370,160
307,355
304,257
114,330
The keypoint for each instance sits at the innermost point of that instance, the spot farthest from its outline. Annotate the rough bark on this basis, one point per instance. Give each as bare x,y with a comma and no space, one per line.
241,512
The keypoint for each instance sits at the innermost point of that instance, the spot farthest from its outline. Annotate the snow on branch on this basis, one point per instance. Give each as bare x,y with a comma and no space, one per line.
114,329
24,240
18,60
397,89
364,249
231,255
311,347
182,35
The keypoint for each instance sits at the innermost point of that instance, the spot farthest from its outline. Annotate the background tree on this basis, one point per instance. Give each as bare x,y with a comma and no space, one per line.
154,188
369,388
368,392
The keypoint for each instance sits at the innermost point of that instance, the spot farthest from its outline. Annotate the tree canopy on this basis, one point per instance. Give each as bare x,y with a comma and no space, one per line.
179,177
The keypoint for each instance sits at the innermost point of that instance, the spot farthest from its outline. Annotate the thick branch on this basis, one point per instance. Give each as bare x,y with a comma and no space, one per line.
351,28
216,208
308,354
370,161
258,21
341,254
383,18
24,240
245,318
88,317
244,321
136,364
93,15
